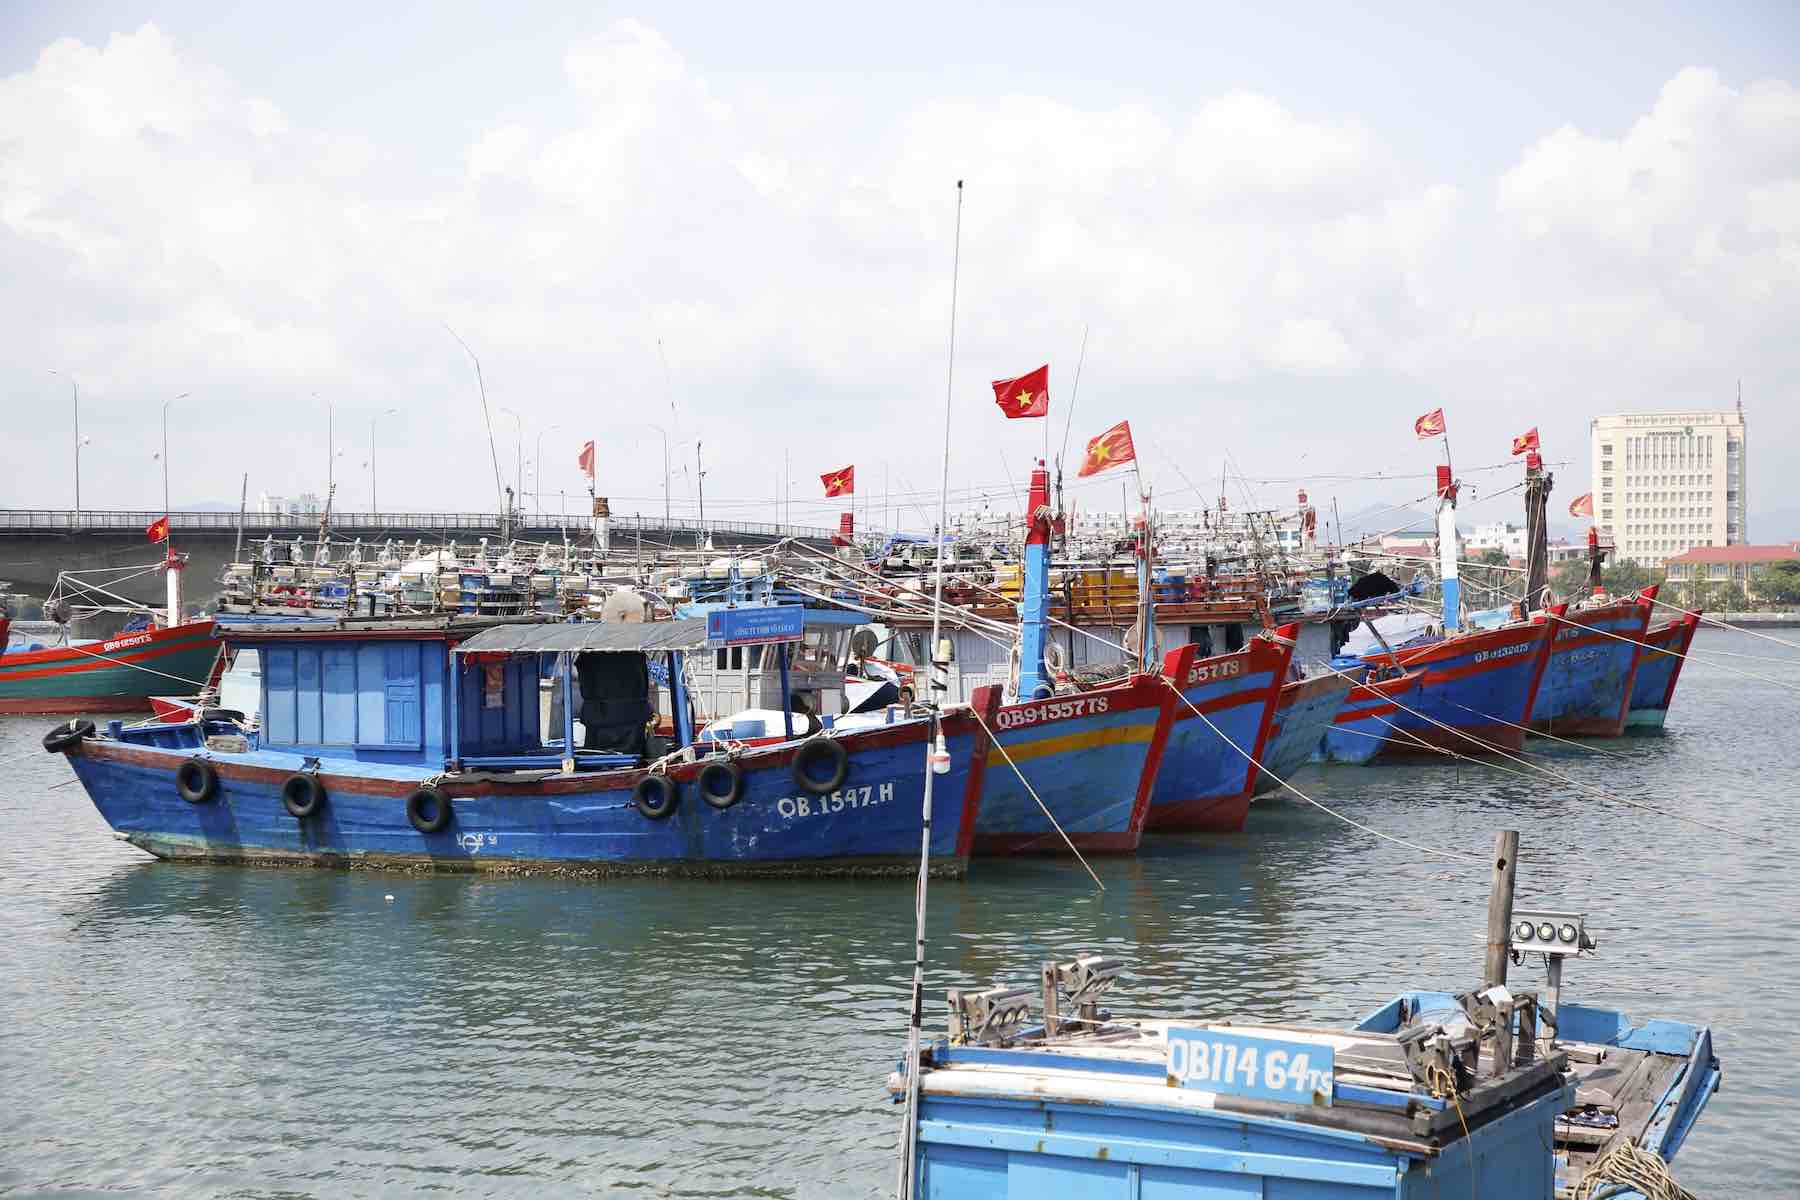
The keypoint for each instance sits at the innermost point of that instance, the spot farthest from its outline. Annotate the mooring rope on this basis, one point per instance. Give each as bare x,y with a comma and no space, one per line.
1355,824
1491,748
996,744
1718,624
1780,683
1539,733
199,683
1628,1167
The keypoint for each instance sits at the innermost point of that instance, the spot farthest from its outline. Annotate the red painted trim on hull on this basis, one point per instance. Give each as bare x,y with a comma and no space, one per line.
1691,622
1211,814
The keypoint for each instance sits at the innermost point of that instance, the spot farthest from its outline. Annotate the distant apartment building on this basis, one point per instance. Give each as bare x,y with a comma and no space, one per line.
1665,482
1498,535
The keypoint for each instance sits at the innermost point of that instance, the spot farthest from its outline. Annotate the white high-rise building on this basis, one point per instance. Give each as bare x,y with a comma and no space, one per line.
1665,482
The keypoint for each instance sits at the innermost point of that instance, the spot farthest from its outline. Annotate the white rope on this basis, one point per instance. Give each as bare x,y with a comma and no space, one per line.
1714,621
1491,748
1048,816
1290,787
1628,1167
199,683
1539,733
1676,654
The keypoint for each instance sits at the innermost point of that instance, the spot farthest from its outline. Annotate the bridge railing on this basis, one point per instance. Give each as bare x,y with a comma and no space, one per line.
20,521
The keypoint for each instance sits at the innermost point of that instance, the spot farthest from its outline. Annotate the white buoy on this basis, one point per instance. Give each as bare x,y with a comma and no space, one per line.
390,897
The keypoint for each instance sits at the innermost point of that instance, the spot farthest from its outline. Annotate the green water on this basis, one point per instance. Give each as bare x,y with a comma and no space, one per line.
206,1031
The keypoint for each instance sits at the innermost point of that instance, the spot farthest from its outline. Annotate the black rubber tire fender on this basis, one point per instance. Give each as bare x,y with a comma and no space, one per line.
712,774
196,780
820,747
68,735
419,800
656,796
301,795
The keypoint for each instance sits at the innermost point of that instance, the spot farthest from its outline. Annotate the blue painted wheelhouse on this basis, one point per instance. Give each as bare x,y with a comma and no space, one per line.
434,743
1503,1091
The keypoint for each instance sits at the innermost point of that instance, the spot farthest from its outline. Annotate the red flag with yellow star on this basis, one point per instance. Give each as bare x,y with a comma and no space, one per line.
1026,396
839,483
1108,450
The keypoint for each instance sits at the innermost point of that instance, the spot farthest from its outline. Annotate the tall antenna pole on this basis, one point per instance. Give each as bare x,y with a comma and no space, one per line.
488,419
700,487
939,683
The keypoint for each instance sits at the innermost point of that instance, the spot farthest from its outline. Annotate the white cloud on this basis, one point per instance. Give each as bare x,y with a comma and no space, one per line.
161,222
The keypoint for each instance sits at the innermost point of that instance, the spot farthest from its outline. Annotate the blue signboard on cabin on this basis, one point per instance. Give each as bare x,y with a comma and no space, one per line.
1261,1068
754,625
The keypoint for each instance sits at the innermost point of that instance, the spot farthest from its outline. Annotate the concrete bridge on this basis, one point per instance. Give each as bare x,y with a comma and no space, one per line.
35,544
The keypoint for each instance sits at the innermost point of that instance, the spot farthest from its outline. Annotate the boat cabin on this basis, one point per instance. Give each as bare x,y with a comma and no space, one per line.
479,693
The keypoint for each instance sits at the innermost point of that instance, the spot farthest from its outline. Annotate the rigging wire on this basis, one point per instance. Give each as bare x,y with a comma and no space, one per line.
1387,837
996,743
1491,748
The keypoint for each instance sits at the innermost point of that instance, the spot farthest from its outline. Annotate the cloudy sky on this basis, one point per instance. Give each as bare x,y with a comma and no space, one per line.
1283,238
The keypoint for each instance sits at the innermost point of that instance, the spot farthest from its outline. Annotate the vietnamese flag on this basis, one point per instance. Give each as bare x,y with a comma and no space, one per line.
1431,424
158,530
839,483
1108,450
1526,442
586,461
1582,506
1026,396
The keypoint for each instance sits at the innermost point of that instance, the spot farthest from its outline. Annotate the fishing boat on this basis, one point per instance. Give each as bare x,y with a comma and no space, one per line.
1456,689
1218,732
155,653
1468,693
425,743
1305,709
1501,1091
1072,766
117,674
1589,677
1659,667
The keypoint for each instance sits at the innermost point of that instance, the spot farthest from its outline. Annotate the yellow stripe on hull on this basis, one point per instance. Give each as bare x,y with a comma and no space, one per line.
1088,739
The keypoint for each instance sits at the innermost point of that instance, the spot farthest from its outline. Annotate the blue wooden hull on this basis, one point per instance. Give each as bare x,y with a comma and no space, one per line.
1208,765
982,1148
1466,694
1090,757
582,823
1588,683
1306,709
1658,670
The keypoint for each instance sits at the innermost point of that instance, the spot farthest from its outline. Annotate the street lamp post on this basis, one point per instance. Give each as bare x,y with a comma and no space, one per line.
519,457
75,407
538,488
374,506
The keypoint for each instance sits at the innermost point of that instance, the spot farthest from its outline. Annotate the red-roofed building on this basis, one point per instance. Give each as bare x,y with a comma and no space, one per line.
1728,566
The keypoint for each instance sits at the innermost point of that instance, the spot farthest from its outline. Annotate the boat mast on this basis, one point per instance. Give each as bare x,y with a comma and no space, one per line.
1447,550
1034,597
1537,548
937,756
